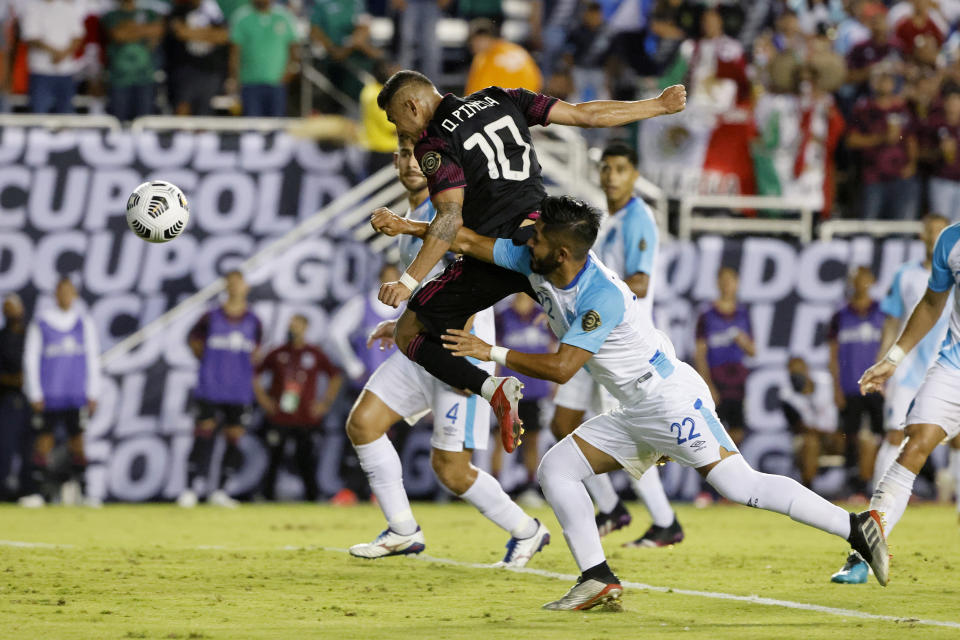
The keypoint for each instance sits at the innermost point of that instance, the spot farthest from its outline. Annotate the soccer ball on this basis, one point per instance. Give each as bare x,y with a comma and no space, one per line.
157,211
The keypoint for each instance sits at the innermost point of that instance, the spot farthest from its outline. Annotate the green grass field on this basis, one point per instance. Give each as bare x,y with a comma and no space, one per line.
266,571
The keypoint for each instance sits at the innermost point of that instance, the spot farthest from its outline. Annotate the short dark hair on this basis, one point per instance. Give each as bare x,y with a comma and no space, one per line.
619,148
572,219
398,81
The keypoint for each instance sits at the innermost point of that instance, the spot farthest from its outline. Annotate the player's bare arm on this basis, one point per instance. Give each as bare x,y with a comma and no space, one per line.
922,320
557,367
436,242
466,241
615,113
639,283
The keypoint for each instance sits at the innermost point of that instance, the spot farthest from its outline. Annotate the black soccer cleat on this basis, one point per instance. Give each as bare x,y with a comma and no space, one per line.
616,519
659,536
867,539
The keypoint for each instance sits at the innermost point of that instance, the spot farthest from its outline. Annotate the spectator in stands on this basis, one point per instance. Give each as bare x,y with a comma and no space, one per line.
788,36
879,48
810,413
344,31
499,62
944,190
585,53
852,31
264,58
61,369
724,341
551,20
14,410
225,341
53,31
666,23
487,9
229,7
354,322
518,327
133,35
854,339
920,34
292,406
197,56
884,132
6,51
419,45
377,134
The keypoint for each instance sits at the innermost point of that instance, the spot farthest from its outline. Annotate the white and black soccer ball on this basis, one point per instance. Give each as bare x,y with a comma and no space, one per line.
157,211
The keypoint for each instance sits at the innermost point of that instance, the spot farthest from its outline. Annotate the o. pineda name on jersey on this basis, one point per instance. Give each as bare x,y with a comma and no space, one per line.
467,110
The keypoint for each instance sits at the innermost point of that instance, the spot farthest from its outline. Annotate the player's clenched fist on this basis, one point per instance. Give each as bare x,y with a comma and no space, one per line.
393,293
674,98
874,378
387,222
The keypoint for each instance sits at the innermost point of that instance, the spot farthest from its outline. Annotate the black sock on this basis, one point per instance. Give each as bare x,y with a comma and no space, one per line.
854,530
198,464
427,351
599,572
232,461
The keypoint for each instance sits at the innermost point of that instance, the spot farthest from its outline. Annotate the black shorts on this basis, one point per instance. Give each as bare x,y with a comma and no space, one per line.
851,417
465,287
529,411
730,413
230,415
73,420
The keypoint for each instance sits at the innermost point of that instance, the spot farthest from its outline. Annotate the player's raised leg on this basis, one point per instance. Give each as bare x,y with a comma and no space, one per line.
562,472
367,427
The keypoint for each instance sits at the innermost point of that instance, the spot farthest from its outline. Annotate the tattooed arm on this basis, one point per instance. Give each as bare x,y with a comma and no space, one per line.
440,235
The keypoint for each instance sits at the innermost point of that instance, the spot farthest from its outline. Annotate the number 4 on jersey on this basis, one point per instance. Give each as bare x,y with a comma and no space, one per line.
493,133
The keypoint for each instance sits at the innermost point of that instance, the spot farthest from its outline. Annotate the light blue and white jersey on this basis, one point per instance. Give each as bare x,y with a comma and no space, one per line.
944,275
627,244
410,245
597,312
909,285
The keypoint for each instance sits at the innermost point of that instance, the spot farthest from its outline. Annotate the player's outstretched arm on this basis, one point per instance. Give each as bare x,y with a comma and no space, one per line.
925,315
557,367
467,241
615,113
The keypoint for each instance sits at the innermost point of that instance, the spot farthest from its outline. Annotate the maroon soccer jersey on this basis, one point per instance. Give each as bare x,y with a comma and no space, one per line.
294,385
482,143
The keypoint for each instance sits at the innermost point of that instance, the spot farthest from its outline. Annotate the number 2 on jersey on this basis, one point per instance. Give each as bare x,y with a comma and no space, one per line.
493,133
690,434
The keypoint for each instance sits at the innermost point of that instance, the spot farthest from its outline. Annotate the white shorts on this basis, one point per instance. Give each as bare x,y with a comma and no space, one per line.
678,419
459,422
938,400
583,393
896,402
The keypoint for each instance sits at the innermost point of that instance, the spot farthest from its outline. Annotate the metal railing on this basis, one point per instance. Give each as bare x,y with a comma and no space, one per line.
832,228
689,223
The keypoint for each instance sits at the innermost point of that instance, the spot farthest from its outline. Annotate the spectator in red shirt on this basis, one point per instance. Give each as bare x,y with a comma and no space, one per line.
919,36
883,130
291,405
944,189
878,48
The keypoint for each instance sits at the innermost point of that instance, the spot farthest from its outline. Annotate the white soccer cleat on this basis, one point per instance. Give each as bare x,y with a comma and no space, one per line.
390,543
187,499
33,501
219,498
520,550
70,494
586,595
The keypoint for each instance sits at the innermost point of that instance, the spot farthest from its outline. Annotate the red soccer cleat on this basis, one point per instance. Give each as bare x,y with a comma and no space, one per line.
504,402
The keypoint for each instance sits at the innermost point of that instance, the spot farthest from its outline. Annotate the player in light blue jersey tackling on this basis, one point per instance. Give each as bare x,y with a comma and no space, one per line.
401,389
934,413
665,406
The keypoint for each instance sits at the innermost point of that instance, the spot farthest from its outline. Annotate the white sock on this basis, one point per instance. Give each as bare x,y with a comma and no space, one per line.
737,481
492,501
955,470
562,472
489,387
379,460
650,490
891,496
886,454
601,490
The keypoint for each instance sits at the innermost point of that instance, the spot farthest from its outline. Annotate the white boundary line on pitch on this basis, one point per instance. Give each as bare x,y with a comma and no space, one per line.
33,545
770,602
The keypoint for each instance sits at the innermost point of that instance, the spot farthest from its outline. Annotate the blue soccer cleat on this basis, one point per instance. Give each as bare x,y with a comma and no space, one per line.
854,571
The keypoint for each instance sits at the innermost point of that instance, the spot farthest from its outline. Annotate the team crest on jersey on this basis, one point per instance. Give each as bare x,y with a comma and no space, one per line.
590,321
430,163
643,244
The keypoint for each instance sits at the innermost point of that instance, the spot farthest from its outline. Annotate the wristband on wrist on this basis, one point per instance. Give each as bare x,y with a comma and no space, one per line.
409,281
895,355
499,355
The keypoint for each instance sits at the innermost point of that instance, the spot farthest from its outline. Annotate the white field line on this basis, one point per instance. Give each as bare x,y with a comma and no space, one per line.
716,595
770,602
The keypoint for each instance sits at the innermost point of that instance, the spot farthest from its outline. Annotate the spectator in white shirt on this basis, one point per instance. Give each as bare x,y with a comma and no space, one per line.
54,31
